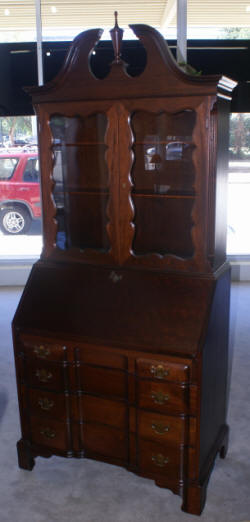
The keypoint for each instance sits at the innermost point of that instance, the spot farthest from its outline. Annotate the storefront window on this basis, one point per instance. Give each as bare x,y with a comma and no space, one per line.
238,239
20,205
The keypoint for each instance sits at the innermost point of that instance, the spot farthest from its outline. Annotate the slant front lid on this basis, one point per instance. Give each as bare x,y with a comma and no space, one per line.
133,309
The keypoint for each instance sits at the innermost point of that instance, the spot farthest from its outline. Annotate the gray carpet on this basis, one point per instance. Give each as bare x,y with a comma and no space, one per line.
87,491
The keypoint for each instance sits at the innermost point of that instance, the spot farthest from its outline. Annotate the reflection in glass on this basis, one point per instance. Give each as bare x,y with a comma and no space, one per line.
7,167
163,156
152,158
175,150
80,178
158,152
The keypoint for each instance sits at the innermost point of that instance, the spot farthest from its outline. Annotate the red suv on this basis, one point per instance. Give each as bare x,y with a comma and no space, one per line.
19,191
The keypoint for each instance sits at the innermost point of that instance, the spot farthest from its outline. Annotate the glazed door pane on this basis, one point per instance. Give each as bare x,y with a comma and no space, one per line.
163,177
80,178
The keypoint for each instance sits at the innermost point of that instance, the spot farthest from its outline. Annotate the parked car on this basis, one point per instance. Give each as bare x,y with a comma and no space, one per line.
19,191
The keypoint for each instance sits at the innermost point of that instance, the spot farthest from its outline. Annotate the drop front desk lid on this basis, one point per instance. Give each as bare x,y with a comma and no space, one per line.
150,311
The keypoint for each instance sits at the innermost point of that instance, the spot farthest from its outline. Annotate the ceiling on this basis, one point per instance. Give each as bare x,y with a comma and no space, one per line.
19,15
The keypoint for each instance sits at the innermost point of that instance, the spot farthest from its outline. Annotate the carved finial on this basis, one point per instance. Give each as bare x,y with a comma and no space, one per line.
116,35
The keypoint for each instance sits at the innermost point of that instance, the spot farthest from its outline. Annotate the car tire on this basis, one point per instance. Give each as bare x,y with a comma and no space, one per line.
14,220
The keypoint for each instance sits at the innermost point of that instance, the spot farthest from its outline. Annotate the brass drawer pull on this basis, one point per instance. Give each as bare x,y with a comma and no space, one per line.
41,351
159,372
160,460
159,397
48,433
43,375
45,404
160,429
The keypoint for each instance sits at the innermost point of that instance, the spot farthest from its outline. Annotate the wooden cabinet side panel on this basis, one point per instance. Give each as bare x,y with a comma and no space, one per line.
214,379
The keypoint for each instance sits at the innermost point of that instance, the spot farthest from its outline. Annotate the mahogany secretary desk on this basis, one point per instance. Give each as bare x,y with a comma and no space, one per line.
121,335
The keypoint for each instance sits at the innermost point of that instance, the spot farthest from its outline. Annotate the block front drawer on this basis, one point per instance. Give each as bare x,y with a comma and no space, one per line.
47,404
162,428
162,371
44,375
42,350
51,434
160,459
162,397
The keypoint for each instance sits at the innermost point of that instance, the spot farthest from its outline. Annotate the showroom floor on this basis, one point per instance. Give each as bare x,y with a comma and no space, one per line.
88,491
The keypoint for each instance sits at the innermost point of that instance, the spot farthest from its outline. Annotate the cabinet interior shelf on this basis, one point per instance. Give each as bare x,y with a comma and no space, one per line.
163,142
78,143
90,192
156,195
93,192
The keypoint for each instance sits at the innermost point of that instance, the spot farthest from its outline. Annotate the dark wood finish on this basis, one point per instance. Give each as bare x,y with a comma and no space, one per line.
169,371
103,411
25,457
105,441
44,375
42,352
45,404
215,361
167,312
162,428
49,433
121,334
101,381
163,397
163,460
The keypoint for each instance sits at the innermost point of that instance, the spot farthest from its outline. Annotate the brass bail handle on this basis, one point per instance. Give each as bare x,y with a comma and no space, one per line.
159,397
160,429
43,375
48,433
45,404
160,460
159,372
41,351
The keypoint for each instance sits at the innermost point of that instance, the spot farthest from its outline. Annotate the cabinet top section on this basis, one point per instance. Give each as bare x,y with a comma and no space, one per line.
161,76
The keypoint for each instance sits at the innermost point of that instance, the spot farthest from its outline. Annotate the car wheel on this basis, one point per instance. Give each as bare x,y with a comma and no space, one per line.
14,220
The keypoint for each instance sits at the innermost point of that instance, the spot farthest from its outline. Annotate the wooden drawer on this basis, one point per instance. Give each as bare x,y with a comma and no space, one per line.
49,433
159,459
162,397
44,375
162,428
163,371
43,351
103,381
105,441
101,357
102,411
47,405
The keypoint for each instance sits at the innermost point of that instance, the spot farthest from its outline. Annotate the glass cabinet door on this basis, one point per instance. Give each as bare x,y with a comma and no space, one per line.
80,177
163,178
